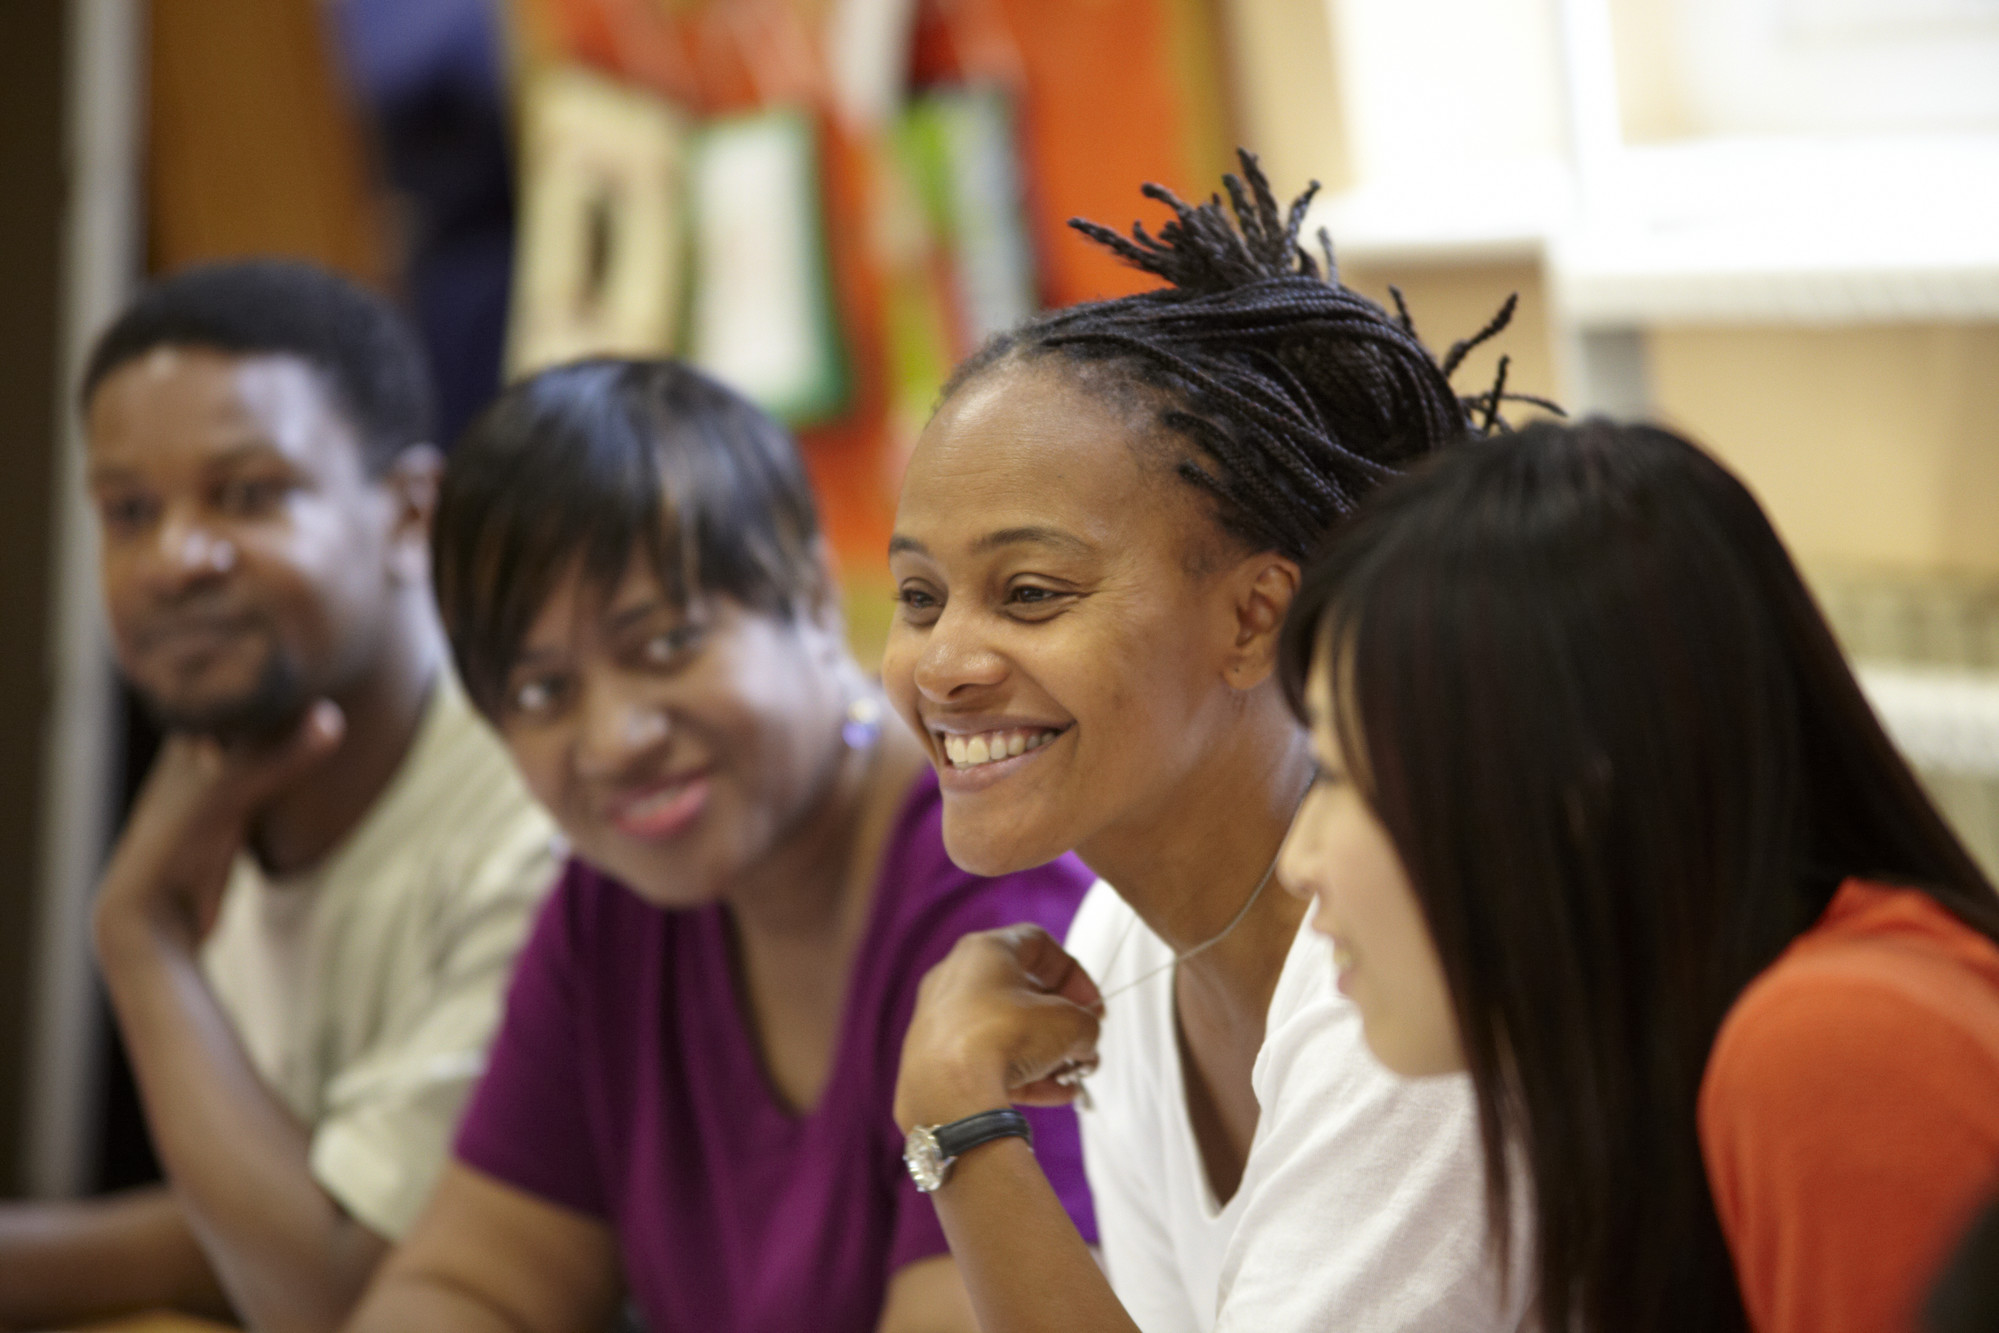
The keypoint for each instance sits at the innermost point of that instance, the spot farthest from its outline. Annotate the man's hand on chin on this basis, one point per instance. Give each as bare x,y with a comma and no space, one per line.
165,881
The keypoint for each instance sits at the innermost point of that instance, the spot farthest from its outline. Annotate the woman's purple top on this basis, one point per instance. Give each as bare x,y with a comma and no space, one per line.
625,1084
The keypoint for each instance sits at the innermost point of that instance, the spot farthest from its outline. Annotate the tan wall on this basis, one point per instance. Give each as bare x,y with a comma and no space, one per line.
1873,447
1651,102
1449,302
1284,95
1287,108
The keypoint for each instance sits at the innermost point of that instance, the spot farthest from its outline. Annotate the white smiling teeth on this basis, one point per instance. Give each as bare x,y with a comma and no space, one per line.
970,752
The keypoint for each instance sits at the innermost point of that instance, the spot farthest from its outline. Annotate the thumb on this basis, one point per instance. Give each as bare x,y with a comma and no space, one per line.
1062,1034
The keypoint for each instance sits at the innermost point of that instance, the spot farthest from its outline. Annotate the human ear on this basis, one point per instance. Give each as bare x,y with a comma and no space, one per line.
1263,586
412,481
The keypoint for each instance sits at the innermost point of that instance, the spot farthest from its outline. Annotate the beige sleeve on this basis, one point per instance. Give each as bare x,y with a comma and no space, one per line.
390,1113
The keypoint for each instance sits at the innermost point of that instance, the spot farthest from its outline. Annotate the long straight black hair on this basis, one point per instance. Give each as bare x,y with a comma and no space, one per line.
1625,764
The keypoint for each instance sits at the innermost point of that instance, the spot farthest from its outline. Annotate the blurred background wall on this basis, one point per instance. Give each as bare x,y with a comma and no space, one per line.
33,112
1772,223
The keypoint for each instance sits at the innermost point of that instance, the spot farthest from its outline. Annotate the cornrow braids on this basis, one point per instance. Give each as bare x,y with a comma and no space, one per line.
1300,393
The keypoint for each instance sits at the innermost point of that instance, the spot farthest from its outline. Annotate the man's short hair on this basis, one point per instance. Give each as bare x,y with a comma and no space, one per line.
363,349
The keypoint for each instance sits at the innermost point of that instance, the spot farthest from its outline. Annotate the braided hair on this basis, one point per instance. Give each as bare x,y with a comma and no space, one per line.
1300,393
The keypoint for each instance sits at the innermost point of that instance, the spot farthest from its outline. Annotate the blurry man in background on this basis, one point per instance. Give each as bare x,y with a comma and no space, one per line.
309,919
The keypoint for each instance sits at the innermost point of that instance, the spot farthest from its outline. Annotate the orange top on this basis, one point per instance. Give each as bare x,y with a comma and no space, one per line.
1849,1115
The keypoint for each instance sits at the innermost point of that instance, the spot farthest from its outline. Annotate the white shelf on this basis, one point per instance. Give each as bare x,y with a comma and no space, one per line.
1441,218
1945,721
1767,231
1786,231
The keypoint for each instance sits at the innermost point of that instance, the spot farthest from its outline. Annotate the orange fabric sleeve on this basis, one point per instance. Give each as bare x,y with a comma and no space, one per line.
1849,1119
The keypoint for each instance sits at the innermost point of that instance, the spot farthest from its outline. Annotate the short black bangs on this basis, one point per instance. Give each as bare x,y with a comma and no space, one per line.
579,469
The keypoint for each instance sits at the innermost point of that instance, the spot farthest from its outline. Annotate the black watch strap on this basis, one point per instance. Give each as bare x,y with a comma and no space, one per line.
930,1149
961,1136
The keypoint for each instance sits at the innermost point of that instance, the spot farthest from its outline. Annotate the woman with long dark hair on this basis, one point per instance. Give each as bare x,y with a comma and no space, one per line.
1603,818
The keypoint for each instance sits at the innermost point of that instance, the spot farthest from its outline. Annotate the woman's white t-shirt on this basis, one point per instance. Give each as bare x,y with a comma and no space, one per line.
1361,1207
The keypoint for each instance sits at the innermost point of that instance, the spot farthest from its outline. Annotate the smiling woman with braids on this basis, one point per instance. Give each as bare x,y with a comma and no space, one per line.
1100,533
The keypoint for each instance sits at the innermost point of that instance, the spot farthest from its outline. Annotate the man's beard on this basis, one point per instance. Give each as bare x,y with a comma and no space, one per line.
268,710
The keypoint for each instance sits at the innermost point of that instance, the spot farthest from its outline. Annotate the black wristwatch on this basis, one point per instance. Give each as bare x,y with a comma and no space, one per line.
930,1149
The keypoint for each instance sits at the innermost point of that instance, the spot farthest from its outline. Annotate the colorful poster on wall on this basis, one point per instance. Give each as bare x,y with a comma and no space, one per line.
958,145
762,316
853,283
600,262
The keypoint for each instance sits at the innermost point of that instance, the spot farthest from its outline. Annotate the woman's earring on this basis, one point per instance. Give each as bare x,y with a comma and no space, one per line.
864,723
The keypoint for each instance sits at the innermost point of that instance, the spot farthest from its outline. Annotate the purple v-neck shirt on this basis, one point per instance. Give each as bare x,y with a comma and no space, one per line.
624,1084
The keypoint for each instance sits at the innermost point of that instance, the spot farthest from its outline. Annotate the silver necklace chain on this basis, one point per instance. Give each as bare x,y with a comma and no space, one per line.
1072,1075
1199,949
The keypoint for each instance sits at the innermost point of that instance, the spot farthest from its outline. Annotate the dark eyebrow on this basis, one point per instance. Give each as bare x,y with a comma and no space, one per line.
993,541
253,448
642,610
527,658
249,450
1068,541
618,621
101,474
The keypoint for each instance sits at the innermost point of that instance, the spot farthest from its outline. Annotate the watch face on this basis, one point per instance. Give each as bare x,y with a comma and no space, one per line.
926,1163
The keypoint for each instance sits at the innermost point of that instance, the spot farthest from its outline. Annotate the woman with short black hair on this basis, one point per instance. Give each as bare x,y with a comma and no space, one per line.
688,1102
